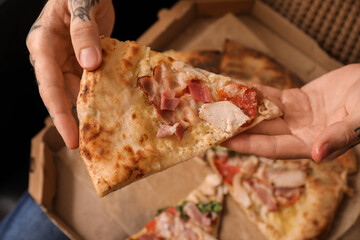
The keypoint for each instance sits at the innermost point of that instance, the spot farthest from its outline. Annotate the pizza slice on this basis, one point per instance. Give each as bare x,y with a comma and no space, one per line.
248,64
196,217
285,199
141,112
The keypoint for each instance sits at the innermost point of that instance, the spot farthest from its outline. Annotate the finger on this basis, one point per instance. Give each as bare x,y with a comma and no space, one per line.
275,126
274,147
337,138
52,91
85,33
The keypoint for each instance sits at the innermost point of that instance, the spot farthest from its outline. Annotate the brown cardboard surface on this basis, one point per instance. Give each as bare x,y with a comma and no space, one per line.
75,206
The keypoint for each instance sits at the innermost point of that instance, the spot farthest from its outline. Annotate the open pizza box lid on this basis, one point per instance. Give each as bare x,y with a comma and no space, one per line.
59,181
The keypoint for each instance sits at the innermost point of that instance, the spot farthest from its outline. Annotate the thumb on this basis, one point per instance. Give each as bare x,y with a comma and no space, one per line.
85,33
336,139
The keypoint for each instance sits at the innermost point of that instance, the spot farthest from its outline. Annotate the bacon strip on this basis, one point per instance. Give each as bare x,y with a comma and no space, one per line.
168,130
148,86
168,100
199,92
287,196
264,193
193,212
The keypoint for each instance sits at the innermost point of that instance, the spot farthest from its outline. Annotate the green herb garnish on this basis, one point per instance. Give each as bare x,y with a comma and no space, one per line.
213,206
231,152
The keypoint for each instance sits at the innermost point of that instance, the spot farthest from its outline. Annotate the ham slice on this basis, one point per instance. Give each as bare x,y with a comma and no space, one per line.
199,92
168,100
193,212
287,196
264,192
168,130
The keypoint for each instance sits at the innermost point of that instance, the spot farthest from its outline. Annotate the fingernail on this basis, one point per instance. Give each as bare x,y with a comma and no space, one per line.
89,58
324,151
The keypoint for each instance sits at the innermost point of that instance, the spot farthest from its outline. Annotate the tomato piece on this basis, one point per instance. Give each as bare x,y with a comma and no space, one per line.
228,172
171,210
151,226
240,95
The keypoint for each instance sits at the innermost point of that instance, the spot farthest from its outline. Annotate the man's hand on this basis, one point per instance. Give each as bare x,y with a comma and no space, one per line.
321,120
63,41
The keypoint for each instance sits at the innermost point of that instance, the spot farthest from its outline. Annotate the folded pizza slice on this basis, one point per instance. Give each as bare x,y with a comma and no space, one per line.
141,112
196,217
285,199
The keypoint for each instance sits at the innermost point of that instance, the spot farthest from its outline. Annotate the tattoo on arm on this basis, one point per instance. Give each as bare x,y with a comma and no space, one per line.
81,8
36,24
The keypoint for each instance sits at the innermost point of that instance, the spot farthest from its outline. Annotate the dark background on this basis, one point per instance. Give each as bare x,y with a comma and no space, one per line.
22,111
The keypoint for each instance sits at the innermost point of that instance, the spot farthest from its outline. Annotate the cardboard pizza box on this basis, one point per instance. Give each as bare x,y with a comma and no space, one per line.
58,179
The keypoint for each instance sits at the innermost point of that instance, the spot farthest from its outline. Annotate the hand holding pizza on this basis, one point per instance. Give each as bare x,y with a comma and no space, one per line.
63,41
321,120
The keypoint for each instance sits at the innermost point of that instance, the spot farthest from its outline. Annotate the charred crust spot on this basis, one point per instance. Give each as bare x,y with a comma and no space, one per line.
171,59
139,172
136,171
134,50
315,222
85,153
129,149
113,42
136,157
101,151
90,131
133,116
126,63
124,136
143,138
85,92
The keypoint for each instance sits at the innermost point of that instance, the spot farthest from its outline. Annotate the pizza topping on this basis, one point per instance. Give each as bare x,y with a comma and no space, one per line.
168,100
180,97
240,193
223,115
287,196
287,178
199,92
148,236
190,234
227,171
148,86
270,183
194,213
242,96
167,224
151,226
174,222
168,130
264,193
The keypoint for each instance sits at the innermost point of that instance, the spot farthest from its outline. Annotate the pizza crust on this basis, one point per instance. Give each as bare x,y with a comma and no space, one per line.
208,60
248,64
